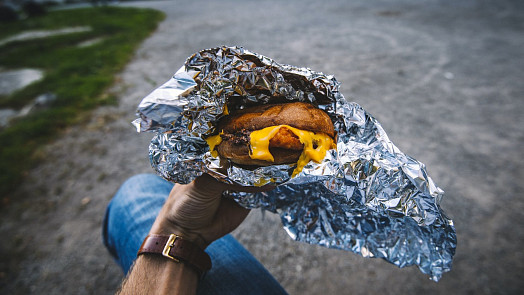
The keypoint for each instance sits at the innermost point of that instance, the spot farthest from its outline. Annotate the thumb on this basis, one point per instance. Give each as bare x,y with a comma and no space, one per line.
205,188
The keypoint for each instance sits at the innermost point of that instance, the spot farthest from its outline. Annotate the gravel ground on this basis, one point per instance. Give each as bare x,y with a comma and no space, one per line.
443,77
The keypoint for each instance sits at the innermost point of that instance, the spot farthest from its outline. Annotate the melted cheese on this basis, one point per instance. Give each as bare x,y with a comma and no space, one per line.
213,141
315,145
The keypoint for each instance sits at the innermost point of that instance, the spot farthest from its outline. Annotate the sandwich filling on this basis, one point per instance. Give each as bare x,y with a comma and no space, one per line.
314,146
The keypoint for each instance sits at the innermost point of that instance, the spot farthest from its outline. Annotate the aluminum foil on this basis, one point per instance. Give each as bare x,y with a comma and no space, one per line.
366,196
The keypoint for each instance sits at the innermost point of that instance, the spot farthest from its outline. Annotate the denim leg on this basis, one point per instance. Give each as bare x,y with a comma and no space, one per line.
130,215
236,271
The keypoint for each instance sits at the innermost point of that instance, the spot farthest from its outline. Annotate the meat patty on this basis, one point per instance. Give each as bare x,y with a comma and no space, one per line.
285,139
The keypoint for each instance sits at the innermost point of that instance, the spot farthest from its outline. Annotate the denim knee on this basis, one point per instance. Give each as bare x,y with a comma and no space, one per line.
131,212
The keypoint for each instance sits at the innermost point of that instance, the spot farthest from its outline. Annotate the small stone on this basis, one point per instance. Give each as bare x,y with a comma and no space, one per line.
41,102
90,42
449,75
85,201
44,100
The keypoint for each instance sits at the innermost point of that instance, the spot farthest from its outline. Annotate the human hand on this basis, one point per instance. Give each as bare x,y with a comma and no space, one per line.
198,212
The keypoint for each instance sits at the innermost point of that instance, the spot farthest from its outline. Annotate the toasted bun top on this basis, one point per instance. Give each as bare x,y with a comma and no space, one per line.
300,115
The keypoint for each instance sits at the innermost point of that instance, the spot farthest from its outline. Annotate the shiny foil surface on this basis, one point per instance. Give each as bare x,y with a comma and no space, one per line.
366,196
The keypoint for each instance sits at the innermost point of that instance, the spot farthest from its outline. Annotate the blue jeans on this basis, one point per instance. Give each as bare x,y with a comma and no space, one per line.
130,215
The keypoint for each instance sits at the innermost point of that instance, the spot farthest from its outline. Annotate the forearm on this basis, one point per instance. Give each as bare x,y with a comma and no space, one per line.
155,274
152,274
197,213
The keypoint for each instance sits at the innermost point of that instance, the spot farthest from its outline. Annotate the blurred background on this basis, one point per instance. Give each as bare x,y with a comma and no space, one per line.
443,77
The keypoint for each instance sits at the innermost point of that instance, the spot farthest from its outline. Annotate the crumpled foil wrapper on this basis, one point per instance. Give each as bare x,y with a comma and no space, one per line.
366,197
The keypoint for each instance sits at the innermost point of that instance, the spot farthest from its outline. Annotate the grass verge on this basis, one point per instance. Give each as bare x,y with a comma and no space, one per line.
78,76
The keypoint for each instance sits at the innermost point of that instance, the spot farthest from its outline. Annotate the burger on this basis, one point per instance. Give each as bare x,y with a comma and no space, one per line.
274,134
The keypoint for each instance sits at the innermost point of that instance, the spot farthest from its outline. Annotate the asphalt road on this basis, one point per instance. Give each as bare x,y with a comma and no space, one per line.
445,79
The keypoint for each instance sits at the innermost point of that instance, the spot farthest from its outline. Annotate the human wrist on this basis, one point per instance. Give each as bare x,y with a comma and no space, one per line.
175,248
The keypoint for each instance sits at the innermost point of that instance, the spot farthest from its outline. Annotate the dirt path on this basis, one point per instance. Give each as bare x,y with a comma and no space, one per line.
444,79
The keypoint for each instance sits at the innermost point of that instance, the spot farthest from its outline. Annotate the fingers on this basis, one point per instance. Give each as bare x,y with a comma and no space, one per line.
229,216
200,212
206,186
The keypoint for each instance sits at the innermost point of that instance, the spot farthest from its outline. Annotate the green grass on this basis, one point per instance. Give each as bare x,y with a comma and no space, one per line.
77,76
